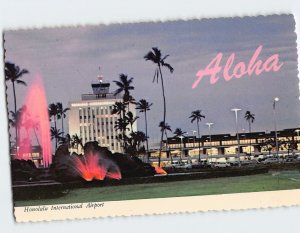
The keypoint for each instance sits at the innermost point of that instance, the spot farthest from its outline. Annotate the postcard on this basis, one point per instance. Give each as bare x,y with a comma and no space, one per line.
153,117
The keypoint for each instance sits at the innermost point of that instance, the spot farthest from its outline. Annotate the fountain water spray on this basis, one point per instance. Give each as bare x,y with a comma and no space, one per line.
95,167
34,123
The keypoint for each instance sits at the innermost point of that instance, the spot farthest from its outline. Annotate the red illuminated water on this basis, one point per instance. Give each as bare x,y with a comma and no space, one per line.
92,167
159,170
34,125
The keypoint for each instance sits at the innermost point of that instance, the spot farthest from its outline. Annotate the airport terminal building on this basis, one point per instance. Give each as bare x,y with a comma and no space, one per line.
226,145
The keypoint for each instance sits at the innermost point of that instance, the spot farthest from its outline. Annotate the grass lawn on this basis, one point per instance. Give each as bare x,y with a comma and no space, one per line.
265,182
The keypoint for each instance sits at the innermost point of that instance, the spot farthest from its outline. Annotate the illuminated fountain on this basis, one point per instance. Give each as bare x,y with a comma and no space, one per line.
34,124
95,167
159,170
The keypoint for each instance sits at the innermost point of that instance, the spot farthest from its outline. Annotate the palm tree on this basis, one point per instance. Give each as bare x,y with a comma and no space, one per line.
54,112
15,120
140,138
197,116
129,100
178,132
131,119
76,141
144,106
66,140
118,108
124,85
61,115
55,134
290,145
14,73
135,140
164,127
268,144
250,118
156,57
121,125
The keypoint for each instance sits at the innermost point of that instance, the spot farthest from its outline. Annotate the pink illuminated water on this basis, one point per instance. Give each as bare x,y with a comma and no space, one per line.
34,126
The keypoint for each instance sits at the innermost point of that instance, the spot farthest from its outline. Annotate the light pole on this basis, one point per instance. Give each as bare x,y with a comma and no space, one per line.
181,140
209,124
194,131
276,99
235,110
297,131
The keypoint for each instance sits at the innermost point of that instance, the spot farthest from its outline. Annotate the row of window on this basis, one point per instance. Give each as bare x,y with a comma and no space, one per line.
215,143
87,112
107,137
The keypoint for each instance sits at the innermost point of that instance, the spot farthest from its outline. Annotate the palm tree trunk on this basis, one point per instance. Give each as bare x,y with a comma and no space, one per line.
124,142
199,159
250,137
168,147
146,129
62,125
165,111
55,131
16,127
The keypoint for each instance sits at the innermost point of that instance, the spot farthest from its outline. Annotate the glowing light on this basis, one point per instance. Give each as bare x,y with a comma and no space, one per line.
159,170
92,167
34,123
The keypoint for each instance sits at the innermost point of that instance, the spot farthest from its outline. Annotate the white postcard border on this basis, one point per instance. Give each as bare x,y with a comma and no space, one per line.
241,201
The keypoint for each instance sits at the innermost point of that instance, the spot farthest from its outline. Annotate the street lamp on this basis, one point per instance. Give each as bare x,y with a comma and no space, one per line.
297,131
209,124
235,110
181,140
194,131
276,99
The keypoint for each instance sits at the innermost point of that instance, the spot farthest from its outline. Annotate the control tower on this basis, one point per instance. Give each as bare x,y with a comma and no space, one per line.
100,88
91,118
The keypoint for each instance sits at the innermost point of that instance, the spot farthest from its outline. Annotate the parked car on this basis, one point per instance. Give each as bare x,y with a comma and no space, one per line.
234,163
181,164
220,164
201,166
290,159
270,160
249,162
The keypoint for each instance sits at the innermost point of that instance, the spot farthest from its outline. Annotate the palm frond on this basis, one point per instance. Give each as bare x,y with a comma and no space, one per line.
168,66
20,73
21,82
165,57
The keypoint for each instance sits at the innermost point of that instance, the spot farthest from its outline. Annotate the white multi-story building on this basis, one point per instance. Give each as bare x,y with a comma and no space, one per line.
91,119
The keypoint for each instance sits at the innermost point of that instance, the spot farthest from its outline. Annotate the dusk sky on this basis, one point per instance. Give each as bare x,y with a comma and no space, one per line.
68,59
